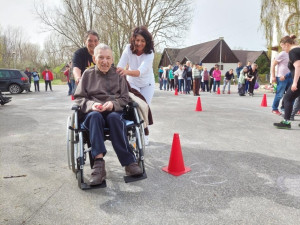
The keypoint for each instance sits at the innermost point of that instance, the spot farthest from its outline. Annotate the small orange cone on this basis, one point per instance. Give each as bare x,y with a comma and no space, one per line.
176,164
176,91
264,101
218,92
198,106
72,97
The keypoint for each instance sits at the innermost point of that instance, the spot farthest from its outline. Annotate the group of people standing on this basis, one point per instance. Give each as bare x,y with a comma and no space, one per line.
247,78
34,75
198,78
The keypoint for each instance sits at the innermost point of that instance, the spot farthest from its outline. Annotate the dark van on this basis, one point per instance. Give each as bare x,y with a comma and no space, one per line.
13,80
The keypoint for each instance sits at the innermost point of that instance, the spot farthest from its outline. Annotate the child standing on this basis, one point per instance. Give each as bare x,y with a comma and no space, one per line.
36,80
242,78
217,77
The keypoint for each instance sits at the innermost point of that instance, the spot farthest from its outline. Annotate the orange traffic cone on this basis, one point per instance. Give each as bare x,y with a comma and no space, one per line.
218,92
198,106
264,101
176,91
72,97
176,165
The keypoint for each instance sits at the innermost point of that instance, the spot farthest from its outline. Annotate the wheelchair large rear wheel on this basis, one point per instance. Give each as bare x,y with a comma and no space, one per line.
71,142
136,141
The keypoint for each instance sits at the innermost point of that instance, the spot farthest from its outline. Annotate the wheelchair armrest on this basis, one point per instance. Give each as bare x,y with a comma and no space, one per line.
75,107
133,104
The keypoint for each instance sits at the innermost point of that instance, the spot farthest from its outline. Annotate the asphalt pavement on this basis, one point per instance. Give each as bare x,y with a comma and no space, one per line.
243,170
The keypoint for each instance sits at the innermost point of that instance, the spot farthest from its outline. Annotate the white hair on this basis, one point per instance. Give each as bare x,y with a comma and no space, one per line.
101,46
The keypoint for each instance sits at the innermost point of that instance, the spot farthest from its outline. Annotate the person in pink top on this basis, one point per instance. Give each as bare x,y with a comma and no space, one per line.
217,77
281,61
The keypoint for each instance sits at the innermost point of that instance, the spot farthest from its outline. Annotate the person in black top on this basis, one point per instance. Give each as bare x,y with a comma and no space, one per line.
289,45
176,77
189,77
29,75
227,80
251,77
83,57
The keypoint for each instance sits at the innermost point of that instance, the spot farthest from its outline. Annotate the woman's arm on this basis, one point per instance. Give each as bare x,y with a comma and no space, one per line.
133,73
296,75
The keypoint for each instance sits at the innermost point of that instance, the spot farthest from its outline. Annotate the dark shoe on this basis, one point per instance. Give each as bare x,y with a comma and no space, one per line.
133,169
292,118
283,125
99,174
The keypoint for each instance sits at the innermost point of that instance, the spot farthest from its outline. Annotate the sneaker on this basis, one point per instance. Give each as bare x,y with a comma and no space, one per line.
133,169
283,125
98,174
276,112
146,139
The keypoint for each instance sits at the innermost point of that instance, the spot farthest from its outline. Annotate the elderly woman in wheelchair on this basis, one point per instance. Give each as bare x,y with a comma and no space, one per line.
101,96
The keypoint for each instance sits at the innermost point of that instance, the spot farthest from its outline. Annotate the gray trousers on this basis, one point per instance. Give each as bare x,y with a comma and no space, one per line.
296,106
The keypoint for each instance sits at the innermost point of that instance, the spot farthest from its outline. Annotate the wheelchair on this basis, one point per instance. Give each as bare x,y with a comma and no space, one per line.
78,144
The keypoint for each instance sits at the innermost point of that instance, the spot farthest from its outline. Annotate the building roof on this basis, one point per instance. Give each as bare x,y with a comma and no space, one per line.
170,54
246,56
196,53
207,52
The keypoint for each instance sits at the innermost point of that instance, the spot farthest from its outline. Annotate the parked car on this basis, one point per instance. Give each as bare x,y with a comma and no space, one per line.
13,80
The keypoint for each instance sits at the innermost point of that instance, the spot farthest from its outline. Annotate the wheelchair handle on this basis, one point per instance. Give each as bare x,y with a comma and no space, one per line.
133,104
75,107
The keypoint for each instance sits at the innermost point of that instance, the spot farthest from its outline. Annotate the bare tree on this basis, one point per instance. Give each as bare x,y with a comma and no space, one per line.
70,21
166,19
54,52
114,20
11,48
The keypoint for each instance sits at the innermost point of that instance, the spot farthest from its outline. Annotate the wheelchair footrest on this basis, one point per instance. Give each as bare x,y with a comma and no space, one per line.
85,186
129,179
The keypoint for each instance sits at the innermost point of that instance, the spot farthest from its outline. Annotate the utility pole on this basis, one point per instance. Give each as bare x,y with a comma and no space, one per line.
221,39
14,58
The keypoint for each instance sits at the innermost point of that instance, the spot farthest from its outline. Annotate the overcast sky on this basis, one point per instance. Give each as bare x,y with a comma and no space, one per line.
235,20
238,21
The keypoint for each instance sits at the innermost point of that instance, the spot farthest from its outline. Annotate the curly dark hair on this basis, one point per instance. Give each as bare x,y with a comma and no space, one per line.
143,31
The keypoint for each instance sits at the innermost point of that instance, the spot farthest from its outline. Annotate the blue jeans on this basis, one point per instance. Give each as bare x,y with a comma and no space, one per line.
226,82
166,84
181,84
188,86
72,81
160,83
70,88
246,86
281,87
215,84
95,123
